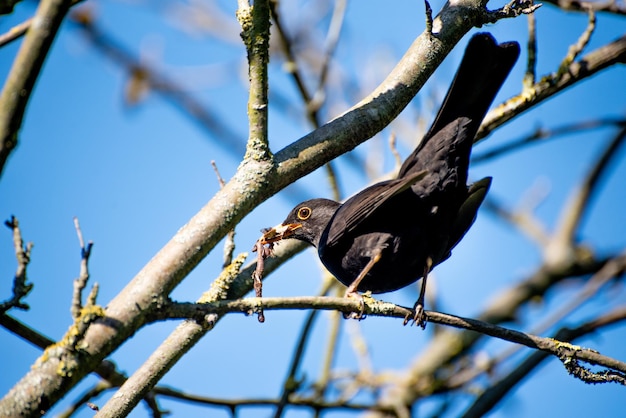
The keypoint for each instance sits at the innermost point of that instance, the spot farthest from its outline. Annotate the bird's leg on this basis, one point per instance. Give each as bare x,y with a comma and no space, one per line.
351,291
418,309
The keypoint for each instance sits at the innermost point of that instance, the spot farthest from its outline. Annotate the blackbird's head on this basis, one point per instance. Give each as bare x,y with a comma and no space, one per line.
305,222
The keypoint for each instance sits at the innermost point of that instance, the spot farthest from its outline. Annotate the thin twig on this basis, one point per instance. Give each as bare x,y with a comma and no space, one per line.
512,9
20,29
575,49
233,404
531,64
85,399
15,32
379,308
312,102
429,17
332,40
81,281
543,134
21,287
229,243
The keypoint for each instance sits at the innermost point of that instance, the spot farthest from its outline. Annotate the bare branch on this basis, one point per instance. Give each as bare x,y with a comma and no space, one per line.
255,25
490,397
523,220
575,49
81,281
543,134
531,65
379,308
15,32
613,269
562,242
229,244
25,71
21,288
512,9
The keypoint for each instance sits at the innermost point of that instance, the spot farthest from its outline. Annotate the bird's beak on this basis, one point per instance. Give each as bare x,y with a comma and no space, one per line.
279,232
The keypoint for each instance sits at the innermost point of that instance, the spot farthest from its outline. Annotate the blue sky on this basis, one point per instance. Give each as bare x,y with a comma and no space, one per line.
134,175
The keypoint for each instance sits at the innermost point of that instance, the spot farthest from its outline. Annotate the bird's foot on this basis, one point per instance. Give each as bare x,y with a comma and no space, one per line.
418,316
356,315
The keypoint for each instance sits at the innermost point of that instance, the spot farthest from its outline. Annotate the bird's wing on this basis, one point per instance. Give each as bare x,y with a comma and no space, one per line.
365,203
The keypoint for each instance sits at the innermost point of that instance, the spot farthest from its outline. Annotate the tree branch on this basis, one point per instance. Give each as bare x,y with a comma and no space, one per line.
379,308
21,288
255,24
562,243
25,70
185,336
490,397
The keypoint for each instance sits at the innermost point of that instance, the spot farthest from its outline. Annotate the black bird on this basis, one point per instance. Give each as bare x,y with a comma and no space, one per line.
392,233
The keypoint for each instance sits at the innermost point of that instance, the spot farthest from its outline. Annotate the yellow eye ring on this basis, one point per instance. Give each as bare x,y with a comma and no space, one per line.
304,213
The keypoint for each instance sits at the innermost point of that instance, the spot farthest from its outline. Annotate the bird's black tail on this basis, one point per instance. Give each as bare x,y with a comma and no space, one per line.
482,72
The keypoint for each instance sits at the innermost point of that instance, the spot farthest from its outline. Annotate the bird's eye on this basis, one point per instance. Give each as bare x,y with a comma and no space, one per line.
304,213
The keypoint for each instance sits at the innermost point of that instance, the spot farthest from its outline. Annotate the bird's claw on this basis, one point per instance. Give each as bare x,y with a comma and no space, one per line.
418,316
361,313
